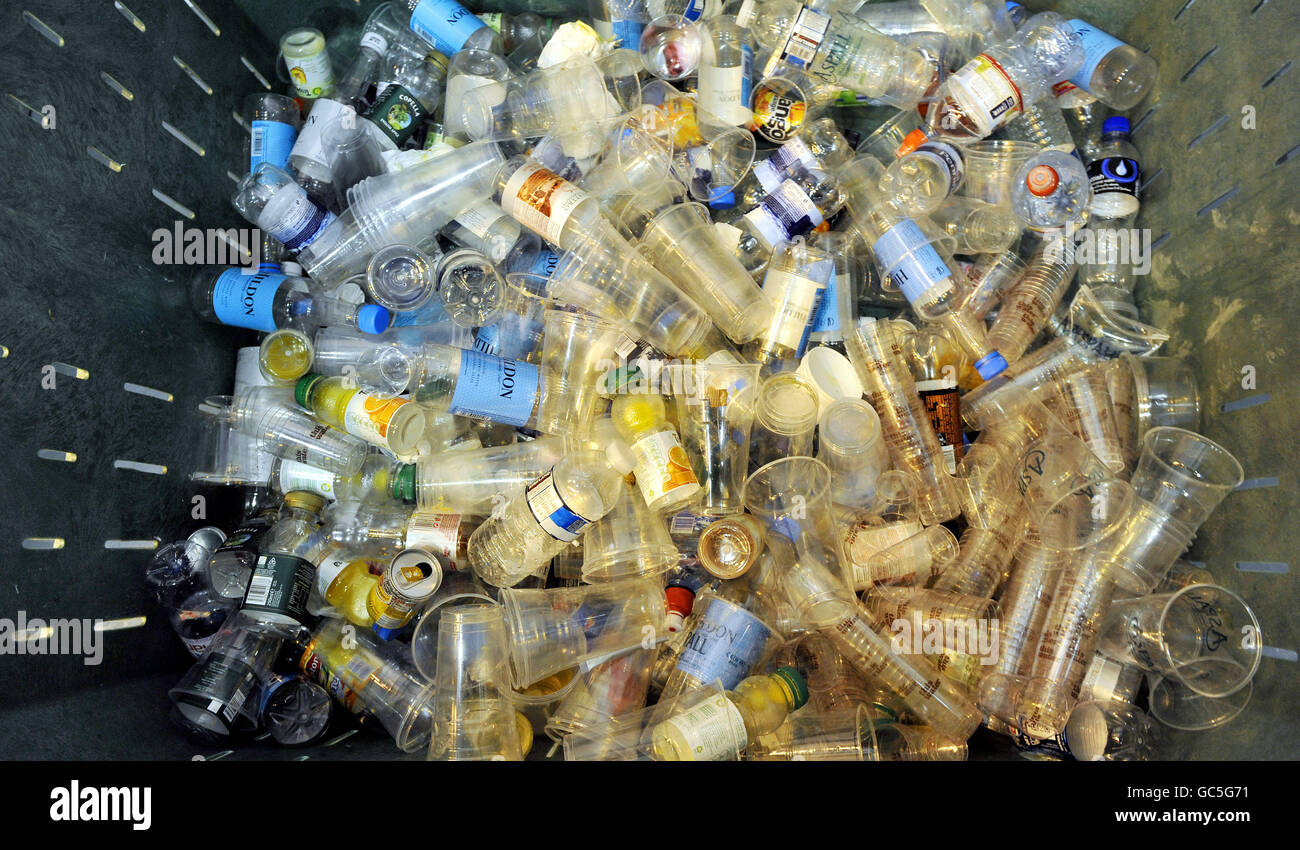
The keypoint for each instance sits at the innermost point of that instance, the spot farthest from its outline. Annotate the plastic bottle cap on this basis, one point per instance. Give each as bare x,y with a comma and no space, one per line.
303,386
911,142
384,633
794,681
1116,124
990,365
680,600
305,500
620,456
291,268
725,201
404,483
1042,180
373,319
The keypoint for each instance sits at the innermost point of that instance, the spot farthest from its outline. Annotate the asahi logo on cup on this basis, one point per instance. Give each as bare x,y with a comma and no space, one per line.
212,246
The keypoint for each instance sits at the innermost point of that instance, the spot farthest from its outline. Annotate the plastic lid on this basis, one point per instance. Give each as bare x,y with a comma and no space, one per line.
303,386
680,600
724,201
832,372
404,483
991,365
794,682
305,500
911,142
373,319
1116,124
1042,180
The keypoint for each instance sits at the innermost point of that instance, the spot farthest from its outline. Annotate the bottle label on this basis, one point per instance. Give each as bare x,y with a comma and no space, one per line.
374,41
1102,678
809,31
662,469
790,158
312,75
397,113
494,388
552,514
785,213
300,476
745,14
197,646
725,643
436,533
1097,45
724,92
1117,175
826,321
948,158
713,730
493,20
703,9
246,300
294,218
308,144
942,401
776,116
988,91
280,584
445,24
271,142
544,265
799,299
328,570
906,256
369,416
627,32
728,234
541,200
479,218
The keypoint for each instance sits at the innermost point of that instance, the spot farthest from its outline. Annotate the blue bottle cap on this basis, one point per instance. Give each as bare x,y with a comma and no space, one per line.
373,319
1011,5
990,365
1116,124
384,633
725,200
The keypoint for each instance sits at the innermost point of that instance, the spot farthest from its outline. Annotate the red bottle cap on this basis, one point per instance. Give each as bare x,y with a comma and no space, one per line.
1042,180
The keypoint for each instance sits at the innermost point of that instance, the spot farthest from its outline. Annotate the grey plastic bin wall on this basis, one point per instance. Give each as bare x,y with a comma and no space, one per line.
1221,144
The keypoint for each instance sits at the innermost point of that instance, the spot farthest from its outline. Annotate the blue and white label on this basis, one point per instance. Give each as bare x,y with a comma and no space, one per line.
552,514
272,141
726,642
246,300
826,322
806,38
445,24
905,254
544,265
628,33
784,214
294,218
494,388
1097,45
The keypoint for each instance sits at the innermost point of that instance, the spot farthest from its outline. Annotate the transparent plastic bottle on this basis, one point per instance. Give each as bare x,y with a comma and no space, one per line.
992,89
484,227
1081,113
447,26
263,301
412,95
177,575
663,471
819,147
725,74
389,422
269,198
1117,74
273,121
795,284
281,583
721,727
374,482
1051,190
1115,173
797,205
344,579
551,513
839,308
478,481
523,34
925,174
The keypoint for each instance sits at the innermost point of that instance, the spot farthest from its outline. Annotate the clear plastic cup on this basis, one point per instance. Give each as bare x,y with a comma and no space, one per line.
851,445
898,742
1072,496
812,736
401,278
473,704
552,630
631,541
991,168
913,560
1184,474
1176,704
785,419
629,736
471,288
671,46
577,349
1173,634
470,70
885,141
714,422
458,588
351,152
1164,392
793,496
634,160
606,692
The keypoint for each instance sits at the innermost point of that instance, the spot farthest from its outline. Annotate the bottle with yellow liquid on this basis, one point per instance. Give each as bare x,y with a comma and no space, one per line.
722,726
373,483
390,422
941,371
663,471
344,579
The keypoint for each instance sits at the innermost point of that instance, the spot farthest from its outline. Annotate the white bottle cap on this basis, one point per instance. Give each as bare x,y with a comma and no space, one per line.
832,374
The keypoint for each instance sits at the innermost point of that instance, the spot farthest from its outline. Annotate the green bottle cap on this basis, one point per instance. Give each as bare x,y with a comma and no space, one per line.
404,483
303,386
797,688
